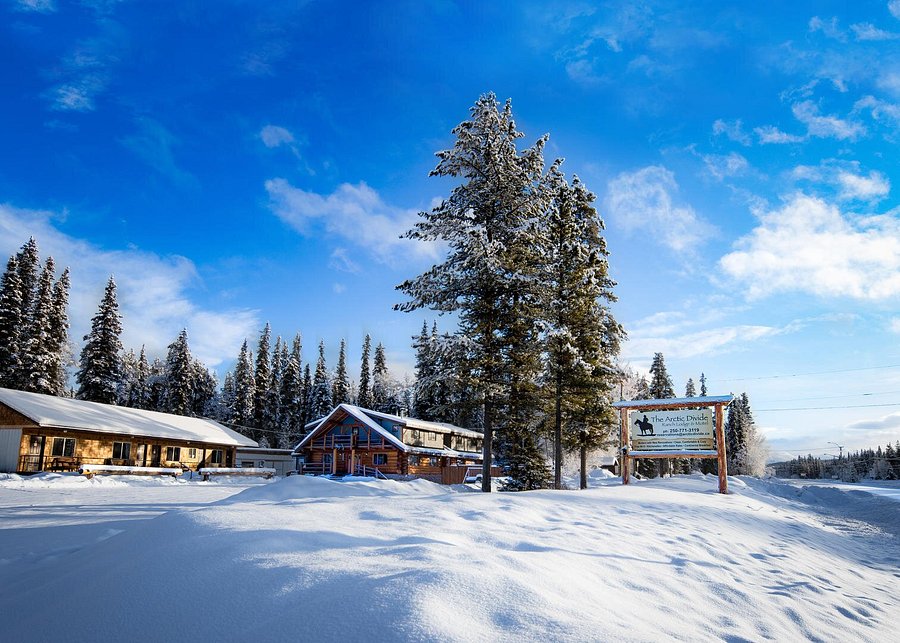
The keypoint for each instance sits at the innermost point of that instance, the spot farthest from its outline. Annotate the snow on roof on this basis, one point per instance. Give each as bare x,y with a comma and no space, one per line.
360,415
365,416
66,413
413,423
674,401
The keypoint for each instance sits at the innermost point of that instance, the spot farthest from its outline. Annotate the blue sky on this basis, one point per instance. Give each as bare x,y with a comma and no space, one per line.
250,162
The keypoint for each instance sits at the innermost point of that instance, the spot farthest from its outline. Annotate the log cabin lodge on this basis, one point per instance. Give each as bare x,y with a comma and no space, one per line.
48,433
353,440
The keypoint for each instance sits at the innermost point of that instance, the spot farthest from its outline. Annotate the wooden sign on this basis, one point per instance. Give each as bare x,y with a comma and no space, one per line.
673,428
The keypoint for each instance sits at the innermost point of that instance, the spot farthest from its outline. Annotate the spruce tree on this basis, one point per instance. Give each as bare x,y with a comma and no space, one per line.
486,222
426,375
702,385
127,382
59,330
340,390
320,402
40,360
180,376
11,325
157,387
244,389
140,394
307,397
661,386
581,337
28,261
273,426
689,390
381,390
204,391
227,399
262,376
101,358
291,395
364,395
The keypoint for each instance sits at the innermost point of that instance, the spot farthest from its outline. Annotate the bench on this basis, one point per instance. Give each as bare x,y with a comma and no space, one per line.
208,472
90,470
63,463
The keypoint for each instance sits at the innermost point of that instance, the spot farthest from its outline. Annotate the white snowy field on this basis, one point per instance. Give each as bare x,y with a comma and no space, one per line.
126,558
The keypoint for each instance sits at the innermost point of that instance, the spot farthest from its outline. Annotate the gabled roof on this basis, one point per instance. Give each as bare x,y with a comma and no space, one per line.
366,417
360,415
66,413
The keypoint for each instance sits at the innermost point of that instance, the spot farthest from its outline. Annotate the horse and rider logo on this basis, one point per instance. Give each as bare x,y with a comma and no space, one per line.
645,426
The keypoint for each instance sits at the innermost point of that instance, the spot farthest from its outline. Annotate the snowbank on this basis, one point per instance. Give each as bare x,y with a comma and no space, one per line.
314,559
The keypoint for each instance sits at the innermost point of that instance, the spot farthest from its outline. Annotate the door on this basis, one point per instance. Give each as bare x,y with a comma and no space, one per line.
155,455
35,459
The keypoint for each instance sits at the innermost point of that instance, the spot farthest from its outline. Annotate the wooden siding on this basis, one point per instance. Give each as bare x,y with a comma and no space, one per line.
12,418
97,448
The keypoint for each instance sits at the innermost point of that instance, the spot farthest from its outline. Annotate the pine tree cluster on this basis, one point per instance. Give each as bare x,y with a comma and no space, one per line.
34,324
533,359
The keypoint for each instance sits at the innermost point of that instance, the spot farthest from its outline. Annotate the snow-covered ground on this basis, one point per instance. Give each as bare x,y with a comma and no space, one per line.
127,558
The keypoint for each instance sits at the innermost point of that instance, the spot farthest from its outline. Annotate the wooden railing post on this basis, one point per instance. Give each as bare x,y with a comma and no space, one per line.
720,445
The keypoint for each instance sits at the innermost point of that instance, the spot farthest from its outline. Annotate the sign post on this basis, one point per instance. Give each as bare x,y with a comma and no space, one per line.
674,428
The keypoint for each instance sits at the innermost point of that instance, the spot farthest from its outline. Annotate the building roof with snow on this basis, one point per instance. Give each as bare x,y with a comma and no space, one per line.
65,413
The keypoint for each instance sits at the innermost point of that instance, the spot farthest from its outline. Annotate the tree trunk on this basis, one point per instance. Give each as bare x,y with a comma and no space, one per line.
583,465
487,448
557,435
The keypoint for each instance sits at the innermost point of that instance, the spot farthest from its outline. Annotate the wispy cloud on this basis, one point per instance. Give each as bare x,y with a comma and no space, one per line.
723,166
733,130
155,144
809,245
39,6
846,179
830,28
882,111
868,31
770,134
830,126
340,260
645,201
153,290
353,213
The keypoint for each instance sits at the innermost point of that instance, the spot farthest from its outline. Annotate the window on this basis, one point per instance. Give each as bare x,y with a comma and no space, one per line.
63,447
414,460
379,459
192,454
173,454
215,456
121,450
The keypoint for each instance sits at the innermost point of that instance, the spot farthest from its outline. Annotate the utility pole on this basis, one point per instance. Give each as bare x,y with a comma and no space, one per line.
840,450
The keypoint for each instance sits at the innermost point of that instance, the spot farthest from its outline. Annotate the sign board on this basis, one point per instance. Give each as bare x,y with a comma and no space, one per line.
681,430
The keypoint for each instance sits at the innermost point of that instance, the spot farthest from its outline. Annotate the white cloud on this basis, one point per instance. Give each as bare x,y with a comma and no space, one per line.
706,342
868,31
863,188
846,179
152,290
829,28
725,166
355,213
894,8
733,130
826,126
771,134
890,82
643,201
810,246
155,145
882,111
340,260
274,135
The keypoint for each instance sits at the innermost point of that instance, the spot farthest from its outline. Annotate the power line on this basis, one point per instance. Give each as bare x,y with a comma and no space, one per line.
827,408
843,370
835,397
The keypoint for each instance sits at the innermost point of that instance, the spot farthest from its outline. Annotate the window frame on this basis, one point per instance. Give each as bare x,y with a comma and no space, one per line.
124,450
176,451
379,459
64,451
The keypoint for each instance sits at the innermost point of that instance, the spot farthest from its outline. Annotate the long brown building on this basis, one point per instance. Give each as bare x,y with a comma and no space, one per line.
49,433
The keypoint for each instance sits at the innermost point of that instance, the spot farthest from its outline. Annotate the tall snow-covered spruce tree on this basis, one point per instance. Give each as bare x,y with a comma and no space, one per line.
487,223
11,325
581,336
101,358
